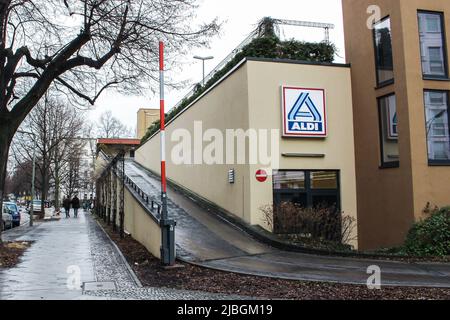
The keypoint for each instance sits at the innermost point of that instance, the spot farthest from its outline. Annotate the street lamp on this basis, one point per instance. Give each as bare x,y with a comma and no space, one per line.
33,175
203,60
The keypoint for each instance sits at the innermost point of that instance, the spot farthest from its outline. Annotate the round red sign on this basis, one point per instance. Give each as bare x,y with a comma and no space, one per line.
261,175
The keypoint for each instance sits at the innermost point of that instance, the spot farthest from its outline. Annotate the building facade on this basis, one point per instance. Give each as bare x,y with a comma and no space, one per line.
400,83
262,103
145,118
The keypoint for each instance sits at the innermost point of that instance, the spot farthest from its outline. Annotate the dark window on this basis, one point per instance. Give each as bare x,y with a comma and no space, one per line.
324,180
437,126
432,44
320,190
132,153
306,188
289,180
383,51
388,131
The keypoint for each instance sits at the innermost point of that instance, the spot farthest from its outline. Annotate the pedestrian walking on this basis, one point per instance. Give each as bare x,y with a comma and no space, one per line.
66,205
75,205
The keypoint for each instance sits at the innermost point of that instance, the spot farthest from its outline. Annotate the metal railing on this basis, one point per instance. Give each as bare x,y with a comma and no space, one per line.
148,200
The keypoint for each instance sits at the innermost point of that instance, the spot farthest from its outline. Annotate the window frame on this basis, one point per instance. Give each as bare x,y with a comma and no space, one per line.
308,190
390,81
430,161
444,46
381,129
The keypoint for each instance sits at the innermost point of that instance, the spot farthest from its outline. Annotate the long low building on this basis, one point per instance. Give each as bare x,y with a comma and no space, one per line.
268,132
371,139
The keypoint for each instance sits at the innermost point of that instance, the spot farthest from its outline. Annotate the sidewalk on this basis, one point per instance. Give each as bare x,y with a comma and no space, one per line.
62,247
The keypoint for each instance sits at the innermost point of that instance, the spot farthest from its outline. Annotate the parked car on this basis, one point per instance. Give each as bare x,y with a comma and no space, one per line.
14,212
7,219
36,206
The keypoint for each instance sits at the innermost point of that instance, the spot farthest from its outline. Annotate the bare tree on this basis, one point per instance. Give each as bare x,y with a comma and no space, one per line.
111,127
82,47
71,180
55,126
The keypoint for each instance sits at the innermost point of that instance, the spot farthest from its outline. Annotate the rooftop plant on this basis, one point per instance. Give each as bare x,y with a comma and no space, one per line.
266,45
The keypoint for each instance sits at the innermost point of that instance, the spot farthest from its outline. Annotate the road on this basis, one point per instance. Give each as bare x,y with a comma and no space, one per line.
203,238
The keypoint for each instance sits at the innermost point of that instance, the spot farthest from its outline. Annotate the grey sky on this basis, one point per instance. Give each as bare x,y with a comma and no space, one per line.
240,18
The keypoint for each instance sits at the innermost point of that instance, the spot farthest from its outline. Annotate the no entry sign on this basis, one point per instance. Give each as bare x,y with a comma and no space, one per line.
261,175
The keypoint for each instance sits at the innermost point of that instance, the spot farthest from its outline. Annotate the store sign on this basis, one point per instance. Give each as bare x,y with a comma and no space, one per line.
304,112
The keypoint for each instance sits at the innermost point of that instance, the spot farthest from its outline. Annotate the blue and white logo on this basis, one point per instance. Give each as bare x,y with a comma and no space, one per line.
304,112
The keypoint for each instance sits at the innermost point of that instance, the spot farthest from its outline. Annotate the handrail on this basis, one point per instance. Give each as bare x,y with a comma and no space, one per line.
130,183
148,200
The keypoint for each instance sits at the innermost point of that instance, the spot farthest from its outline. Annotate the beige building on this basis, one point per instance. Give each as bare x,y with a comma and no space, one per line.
300,112
145,118
400,83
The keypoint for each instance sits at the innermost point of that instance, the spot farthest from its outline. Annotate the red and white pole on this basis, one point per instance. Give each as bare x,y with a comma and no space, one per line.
162,117
167,226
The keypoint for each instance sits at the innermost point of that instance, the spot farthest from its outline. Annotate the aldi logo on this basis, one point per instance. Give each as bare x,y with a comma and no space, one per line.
304,112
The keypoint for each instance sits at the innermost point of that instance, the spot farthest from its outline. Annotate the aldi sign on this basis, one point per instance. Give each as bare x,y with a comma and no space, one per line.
304,112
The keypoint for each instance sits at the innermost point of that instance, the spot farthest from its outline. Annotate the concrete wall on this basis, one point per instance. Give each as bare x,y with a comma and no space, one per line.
141,226
390,200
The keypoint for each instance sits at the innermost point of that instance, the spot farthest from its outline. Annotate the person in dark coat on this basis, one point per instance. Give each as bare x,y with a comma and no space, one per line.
75,205
66,205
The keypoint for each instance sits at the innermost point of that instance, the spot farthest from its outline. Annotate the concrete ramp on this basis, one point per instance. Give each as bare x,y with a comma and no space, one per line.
205,239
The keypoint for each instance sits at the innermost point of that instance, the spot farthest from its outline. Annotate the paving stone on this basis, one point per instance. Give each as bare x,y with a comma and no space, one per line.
63,248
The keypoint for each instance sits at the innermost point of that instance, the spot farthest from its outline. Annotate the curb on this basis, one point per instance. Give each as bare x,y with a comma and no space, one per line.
127,265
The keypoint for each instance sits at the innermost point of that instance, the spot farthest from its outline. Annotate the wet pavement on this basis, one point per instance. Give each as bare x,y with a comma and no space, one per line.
74,259
205,239
59,249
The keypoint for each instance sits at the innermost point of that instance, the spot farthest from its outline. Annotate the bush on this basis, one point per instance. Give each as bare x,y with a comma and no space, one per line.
430,237
267,45
321,223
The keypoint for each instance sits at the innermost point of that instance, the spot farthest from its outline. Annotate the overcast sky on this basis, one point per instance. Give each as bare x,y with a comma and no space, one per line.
240,18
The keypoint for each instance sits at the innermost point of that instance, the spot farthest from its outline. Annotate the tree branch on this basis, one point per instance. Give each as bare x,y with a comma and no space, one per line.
83,96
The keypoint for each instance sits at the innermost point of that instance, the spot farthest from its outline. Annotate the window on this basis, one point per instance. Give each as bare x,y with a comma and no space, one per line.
289,180
388,131
437,126
324,180
306,188
432,44
383,51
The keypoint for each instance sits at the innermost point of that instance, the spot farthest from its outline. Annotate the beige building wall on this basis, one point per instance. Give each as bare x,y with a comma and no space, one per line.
251,98
390,200
145,118
224,107
265,81
141,226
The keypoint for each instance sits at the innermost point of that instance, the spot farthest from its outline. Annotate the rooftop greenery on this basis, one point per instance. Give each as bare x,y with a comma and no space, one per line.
266,45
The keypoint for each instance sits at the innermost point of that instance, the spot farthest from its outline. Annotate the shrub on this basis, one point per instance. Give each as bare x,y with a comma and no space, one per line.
430,237
322,223
266,45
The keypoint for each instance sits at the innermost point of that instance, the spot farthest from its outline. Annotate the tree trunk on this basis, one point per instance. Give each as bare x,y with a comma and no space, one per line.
57,187
5,141
44,190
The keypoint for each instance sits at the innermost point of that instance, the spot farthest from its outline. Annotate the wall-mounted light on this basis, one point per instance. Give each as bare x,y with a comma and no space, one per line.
231,176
